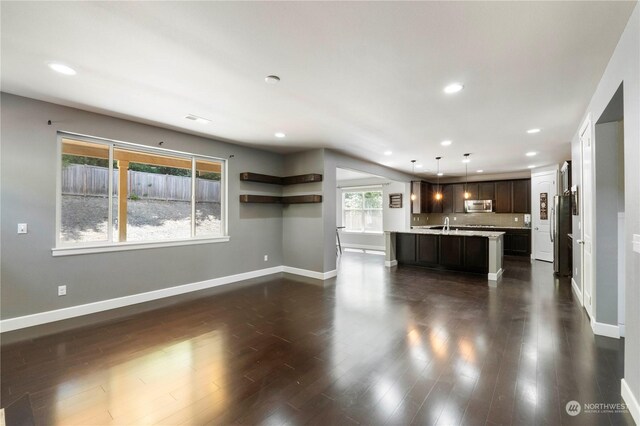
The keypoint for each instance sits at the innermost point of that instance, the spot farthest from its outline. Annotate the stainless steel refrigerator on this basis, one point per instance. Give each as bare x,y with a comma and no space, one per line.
560,229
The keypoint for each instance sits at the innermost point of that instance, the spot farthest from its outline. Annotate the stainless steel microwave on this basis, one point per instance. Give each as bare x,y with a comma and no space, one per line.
478,206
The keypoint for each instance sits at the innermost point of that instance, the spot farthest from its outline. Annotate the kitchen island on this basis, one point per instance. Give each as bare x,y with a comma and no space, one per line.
471,251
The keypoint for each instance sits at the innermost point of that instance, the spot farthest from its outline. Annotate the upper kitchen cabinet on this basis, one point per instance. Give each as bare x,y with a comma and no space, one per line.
503,192
448,199
472,189
458,198
522,196
486,191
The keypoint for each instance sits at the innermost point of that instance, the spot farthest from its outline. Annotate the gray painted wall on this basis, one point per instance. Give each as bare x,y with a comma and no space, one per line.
29,273
303,227
624,66
607,137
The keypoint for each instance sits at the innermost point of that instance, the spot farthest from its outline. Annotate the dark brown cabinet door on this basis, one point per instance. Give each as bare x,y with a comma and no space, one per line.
425,194
458,198
522,196
503,196
436,205
428,249
476,252
447,199
486,191
406,248
520,244
472,189
451,251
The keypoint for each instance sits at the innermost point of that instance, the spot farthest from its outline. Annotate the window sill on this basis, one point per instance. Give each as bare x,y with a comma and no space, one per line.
105,248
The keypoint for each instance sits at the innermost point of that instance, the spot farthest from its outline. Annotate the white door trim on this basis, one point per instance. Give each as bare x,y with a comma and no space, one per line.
589,307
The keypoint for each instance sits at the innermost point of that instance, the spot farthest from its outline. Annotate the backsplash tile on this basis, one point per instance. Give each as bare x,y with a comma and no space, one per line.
492,219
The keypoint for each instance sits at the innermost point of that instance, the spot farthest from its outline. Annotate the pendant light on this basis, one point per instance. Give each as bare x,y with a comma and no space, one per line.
413,169
467,194
438,193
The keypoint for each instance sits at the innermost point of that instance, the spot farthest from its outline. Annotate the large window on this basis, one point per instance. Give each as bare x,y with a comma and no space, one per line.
113,192
362,210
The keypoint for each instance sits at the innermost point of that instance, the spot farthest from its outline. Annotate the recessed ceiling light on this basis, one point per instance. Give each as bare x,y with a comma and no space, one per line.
445,143
531,166
388,153
418,166
531,153
480,171
197,119
272,79
530,131
440,174
279,135
453,88
62,69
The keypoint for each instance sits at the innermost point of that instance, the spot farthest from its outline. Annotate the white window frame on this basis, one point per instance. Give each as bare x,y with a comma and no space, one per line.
65,248
361,190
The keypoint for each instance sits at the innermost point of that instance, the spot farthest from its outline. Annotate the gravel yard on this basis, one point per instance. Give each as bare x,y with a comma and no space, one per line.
85,219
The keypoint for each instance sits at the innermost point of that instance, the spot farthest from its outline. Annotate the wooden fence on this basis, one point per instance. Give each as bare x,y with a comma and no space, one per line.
78,179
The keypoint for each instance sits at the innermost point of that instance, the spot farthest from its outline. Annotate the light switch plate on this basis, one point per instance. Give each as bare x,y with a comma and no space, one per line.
22,228
636,243
62,290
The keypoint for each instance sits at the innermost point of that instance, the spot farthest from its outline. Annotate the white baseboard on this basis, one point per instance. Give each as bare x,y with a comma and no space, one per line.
390,263
576,289
495,276
630,400
25,321
363,247
310,274
606,330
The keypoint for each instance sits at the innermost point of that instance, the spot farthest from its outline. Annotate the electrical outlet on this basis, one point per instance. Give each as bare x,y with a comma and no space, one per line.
62,290
516,219
266,257
22,228
455,218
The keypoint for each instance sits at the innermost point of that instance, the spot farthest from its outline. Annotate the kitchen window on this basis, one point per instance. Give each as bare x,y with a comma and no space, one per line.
115,195
362,210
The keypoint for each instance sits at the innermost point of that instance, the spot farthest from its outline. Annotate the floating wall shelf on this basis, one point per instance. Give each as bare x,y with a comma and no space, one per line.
270,199
276,180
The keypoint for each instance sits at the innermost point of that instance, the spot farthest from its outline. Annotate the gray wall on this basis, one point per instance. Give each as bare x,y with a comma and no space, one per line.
624,67
30,275
303,227
605,241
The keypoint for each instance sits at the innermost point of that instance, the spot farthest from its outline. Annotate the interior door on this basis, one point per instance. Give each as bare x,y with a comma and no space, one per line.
586,143
544,188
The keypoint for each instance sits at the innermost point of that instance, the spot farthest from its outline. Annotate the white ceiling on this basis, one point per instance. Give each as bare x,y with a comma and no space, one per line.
360,77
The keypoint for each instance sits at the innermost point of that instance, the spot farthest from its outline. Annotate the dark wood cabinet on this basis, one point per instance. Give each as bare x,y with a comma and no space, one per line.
435,205
487,191
476,252
451,254
447,199
503,191
517,242
458,198
472,189
521,196
406,248
428,249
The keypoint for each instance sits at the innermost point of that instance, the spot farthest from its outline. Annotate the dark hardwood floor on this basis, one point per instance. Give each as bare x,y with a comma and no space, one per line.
374,346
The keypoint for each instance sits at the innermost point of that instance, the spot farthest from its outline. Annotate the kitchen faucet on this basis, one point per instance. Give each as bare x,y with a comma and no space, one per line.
446,225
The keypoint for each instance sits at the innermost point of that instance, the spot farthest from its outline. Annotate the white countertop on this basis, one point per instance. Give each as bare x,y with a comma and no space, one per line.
474,233
453,225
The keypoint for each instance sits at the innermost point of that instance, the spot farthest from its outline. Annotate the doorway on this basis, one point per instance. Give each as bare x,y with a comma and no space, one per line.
543,189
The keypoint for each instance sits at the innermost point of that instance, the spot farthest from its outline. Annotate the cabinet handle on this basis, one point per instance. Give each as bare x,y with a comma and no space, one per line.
580,242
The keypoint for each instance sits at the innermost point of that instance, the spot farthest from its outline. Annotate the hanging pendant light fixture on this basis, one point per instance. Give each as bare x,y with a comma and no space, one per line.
413,169
467,194
438,193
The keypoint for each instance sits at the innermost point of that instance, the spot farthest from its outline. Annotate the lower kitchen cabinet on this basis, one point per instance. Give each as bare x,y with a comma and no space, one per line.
517,242
428,249
476,253
451,254
406,248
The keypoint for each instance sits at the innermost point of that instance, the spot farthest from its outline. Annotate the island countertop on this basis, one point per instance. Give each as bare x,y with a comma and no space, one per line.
461,233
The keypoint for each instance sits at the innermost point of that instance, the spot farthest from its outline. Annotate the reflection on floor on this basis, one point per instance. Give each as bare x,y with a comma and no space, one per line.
372,346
